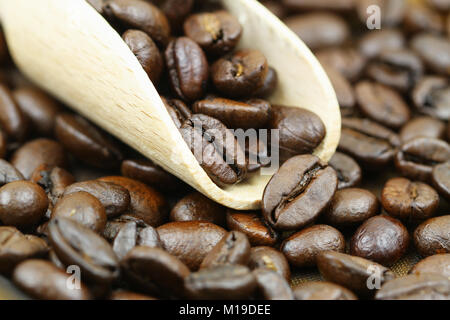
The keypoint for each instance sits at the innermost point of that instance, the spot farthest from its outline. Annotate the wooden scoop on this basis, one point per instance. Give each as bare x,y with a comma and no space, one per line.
70,50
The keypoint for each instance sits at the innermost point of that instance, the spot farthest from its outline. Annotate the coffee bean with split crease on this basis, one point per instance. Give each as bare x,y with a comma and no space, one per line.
433,236
434,51
86,142
351,272
75,244
16,247
424,126
188,69
440,177
228,282
8,173
381,239
146,52
129,295
322,290
153,267
190,241
376,41
140,15
269,258
114,198
39,108
371,144
298,193
431,96
301,248
216,149
145,202
347,61
348,171
177,110
12,120
216,32
382,104
53,180
416,158
416,287
253,113
42,280
196,207
409,201
437,264
234,248
114,226
271,286
269,86
240,74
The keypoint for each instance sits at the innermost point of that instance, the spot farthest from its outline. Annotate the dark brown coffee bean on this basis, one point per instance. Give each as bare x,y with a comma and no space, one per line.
315,290
16,247
258,231
409,201
188,69
240,74
145,202
381,239
347,61
417,157
146,52
434,50
75,244
416,287
271,285
376,41
223,282
176,11
344,91
40,109
351,272
197,207
8,173
12,120
351,207
419,17
269,258
190,241
217,32
423,127
433,236
269,86
440,177
234,248
129,295
298,193
114,198
86,142
391,11
140,15
348,171
146,235
42,280
254,113
177,110
431,96
437,264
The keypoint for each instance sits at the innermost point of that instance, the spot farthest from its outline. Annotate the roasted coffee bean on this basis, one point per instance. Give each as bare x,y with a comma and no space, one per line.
376,41
269,258
423,127
82,207
8,173
221,155
145,202
177,110
431,96
319,30
417,157
155,267
348,171
321,4
146,52
254,113
258,231
301,249
433,236
217,32
234,248
344,91
114,198
12,120
272,286
351,207
298,193
347,61
86,142
419,17
240,74
231,282
269,86
416,287
434,50
300,131
381,239
188,69
140,15
440,177
16,247
437,264
371,144
131,235
129,295
114,226
42,280
22,204
75,244
391,11
322,290
197,207
409,201
190,241
176,11
40,109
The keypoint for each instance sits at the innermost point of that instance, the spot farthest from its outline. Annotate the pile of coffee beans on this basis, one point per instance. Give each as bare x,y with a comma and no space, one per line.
83,216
